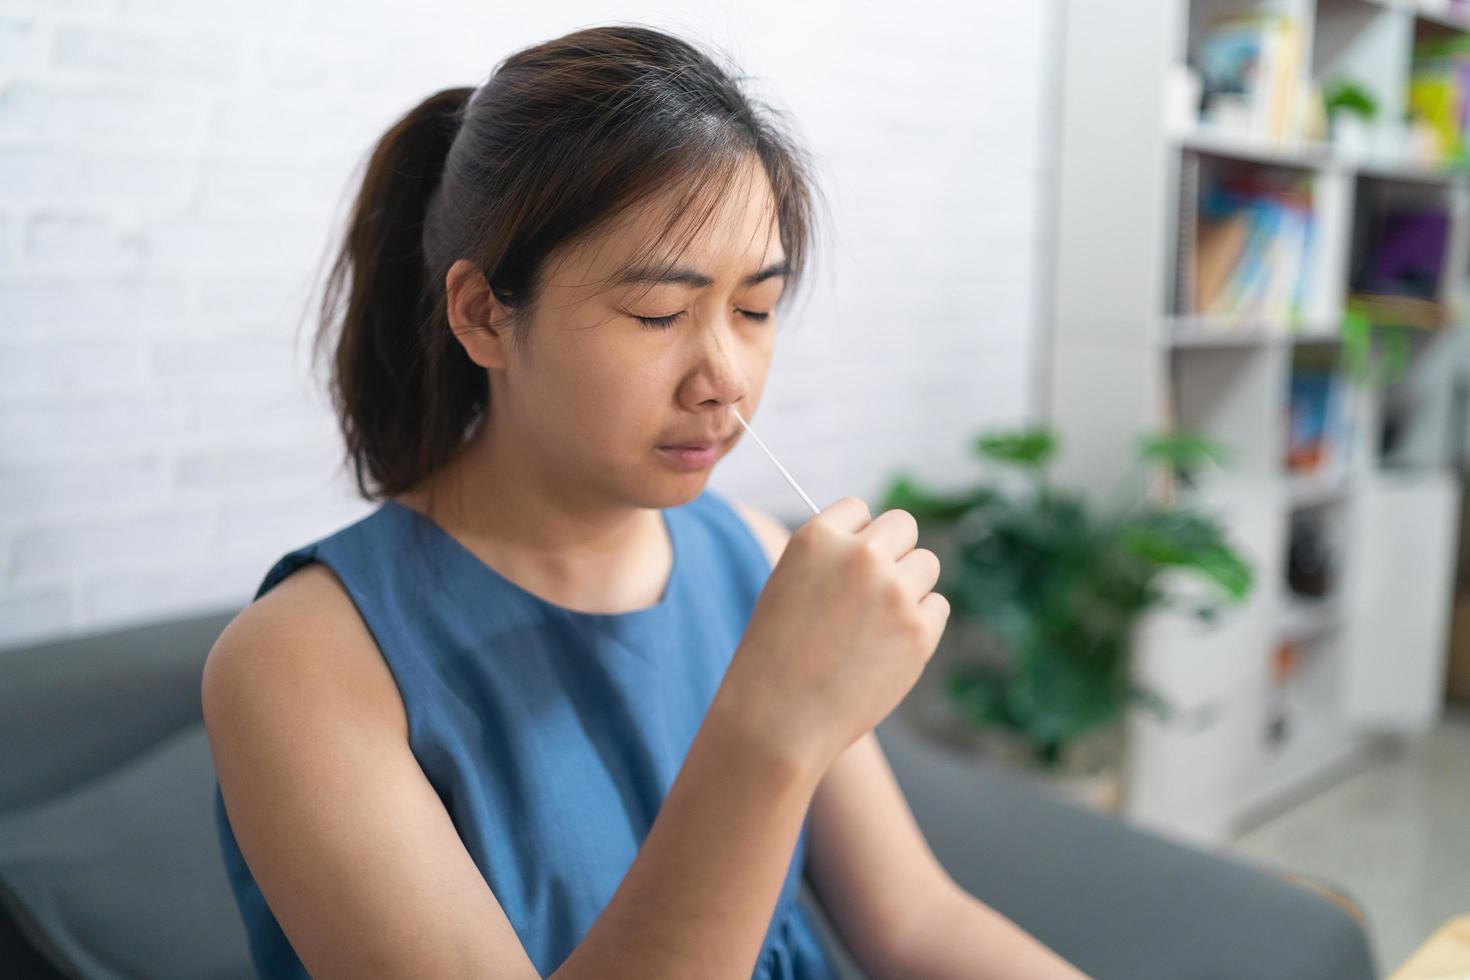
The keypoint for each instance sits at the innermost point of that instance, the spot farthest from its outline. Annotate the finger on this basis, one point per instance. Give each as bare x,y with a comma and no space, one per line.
849,513
894,532
935,609
918,571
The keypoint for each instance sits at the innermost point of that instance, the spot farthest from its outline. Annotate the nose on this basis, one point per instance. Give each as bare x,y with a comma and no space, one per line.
720,375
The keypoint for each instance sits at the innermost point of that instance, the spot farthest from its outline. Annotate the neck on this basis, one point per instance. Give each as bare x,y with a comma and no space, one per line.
544,530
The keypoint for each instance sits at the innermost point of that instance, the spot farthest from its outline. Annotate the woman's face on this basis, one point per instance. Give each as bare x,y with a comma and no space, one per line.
625,358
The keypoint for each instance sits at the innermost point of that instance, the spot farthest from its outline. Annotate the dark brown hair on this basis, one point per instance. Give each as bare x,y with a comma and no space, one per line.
562,137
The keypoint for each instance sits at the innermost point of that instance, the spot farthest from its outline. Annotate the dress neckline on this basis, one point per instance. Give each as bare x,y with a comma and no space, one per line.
666,600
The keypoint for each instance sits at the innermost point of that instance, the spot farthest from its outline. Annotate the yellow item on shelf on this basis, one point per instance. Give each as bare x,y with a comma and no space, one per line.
1434,99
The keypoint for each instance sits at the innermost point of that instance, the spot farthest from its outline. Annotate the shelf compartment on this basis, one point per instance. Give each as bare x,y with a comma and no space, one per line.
1246,244
1319,425
1228,394
1402,251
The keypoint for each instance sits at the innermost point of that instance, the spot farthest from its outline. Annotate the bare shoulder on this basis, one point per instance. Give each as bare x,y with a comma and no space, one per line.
771,533
300,648
349,842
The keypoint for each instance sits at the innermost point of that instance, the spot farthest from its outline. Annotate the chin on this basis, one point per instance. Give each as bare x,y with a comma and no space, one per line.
681,489
669,489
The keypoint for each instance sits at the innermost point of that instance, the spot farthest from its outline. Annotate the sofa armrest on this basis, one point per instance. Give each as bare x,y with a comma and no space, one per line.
1113,899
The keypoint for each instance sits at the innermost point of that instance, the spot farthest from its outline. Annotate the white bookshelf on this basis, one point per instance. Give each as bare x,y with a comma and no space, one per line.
1369,656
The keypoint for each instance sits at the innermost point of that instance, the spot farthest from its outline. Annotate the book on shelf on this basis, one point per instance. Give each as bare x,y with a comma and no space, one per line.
1398,282
1318,424
1245,244
1249,65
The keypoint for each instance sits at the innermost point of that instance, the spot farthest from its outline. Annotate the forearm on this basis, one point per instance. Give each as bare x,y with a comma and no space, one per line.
959,936
699,896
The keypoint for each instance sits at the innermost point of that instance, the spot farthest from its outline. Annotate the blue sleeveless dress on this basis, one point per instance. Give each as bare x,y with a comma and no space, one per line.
552,735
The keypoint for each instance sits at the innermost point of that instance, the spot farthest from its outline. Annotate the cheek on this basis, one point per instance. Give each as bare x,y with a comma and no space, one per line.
617,391
758,353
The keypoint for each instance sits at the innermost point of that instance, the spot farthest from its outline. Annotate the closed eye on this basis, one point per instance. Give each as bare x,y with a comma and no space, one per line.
665,322
659,322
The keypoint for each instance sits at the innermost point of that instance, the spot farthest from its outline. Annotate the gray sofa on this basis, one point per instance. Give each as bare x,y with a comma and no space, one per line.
109,866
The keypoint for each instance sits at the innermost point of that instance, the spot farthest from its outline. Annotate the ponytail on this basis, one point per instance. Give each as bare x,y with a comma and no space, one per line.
402,396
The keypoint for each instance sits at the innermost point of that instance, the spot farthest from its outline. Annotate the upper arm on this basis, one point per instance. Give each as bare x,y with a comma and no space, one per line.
349,843
868,861
771,533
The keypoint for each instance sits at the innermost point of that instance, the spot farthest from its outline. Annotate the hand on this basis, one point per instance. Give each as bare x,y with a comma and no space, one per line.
840,633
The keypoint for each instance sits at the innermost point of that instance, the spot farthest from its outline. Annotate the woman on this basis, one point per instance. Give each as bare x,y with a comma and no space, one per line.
553,708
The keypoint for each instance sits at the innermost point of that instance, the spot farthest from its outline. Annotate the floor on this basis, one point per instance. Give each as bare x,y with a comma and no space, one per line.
1394,835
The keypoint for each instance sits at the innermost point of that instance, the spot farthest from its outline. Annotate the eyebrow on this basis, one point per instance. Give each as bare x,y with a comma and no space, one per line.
689,277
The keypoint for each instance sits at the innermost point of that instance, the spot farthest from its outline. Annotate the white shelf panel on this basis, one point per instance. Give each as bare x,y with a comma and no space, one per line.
1315,336
1219,331
1209,330
1422,172
1312,490
1429,13
1301,154
1305,619
1315,155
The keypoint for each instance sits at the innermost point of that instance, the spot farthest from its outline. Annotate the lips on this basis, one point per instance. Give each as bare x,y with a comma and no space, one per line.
702,442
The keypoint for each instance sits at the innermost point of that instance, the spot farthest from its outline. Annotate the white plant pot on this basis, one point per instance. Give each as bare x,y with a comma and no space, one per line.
1350,135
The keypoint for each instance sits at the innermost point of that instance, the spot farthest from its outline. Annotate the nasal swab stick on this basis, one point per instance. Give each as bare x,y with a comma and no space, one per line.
814,507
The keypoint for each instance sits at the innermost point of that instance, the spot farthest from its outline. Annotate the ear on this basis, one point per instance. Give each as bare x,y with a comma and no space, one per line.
479,321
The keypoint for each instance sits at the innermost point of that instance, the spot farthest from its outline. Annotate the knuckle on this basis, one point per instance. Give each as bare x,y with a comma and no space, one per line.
917,629
803,535
811,534
901,516
869,556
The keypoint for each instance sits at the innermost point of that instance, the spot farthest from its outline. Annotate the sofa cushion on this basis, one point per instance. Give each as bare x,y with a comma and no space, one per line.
74,709
122,876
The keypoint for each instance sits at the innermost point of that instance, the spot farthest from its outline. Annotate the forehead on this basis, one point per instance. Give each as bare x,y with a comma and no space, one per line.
726,229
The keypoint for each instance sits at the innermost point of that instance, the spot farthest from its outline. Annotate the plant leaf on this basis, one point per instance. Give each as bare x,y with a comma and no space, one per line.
1190,541
904,493
1186,450
1029,448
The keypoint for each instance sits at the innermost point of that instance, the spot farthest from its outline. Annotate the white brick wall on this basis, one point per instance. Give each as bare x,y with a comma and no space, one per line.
170,172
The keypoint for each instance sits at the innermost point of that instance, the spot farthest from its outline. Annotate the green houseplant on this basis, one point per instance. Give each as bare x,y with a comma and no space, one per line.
1350,110
1059,583
1344,95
